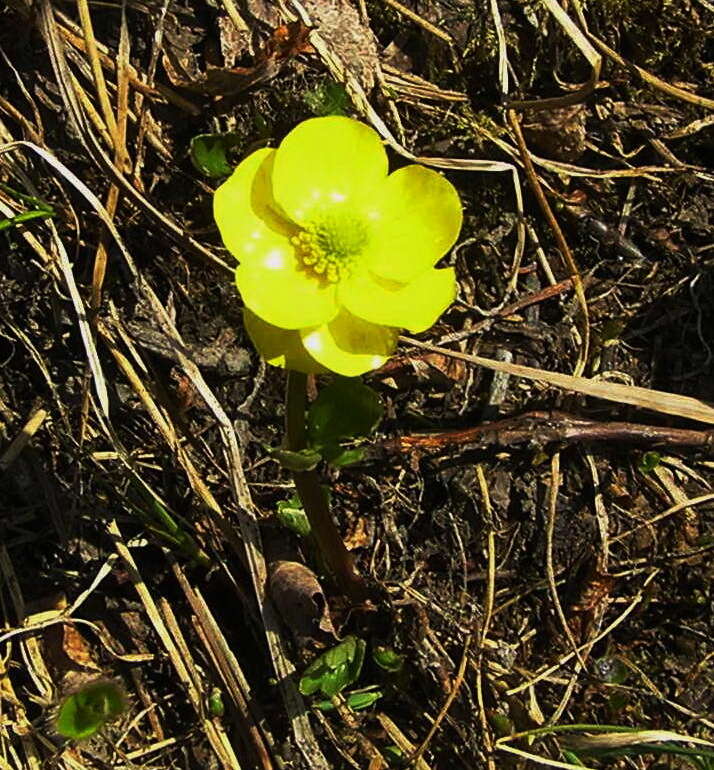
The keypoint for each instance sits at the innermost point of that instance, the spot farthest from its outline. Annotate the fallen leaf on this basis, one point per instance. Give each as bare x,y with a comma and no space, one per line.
299,598
558,133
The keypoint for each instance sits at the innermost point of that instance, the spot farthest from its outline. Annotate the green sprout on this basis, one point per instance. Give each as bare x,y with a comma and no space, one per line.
335,254
292,516
327,98
152,512
344,411
357,700
84,713
649,461
386,658
40,208
335,669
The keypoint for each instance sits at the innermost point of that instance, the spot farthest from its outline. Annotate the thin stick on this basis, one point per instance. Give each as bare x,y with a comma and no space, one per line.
541,427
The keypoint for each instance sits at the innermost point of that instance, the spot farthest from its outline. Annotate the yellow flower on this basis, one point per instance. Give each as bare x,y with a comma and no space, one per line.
335,254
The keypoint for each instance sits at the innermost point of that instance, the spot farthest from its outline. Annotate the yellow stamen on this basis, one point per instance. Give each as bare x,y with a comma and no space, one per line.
330,244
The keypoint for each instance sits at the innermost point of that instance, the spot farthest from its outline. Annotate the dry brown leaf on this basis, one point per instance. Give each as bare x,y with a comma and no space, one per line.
298,596
558,133
67,650
184,70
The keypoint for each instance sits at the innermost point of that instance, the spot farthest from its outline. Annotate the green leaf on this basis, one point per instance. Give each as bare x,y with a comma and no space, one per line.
359,699
363,700
347,457
302,460
85,712
345,409
209,153
393,754
328,98
387,658
26,216
649,461
157,518
335,669
292,516
216,707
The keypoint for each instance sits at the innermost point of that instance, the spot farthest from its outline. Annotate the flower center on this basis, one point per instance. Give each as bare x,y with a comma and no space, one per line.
329,245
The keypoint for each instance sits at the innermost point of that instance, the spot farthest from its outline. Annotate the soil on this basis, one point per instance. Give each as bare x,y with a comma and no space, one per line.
135,532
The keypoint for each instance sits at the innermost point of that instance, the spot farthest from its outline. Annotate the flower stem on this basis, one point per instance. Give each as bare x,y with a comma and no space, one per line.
337,558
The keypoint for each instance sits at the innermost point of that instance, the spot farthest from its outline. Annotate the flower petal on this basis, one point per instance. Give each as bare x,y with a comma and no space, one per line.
350,346
245,211
324,161
414,306
279,347
279,290
416,218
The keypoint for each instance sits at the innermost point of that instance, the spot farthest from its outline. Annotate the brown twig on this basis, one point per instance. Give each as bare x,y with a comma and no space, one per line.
544,427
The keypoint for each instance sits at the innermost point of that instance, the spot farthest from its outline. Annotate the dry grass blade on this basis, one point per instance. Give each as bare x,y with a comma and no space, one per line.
182,665
654,400
432,29
541,760
665,514
623,740
8,457
97,74
66,269
63,77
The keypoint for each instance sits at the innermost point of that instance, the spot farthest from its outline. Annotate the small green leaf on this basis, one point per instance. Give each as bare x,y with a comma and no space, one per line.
335,669
572,758
26,216
394,755
334,681
209,153
649,461
387,658
164,524
216,707
85,712
359,699
363,700
345,409
311,681
348,457
292,516
500,723
302,460
328,98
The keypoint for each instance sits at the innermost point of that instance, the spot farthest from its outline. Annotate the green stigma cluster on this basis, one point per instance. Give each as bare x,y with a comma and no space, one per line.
330,245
